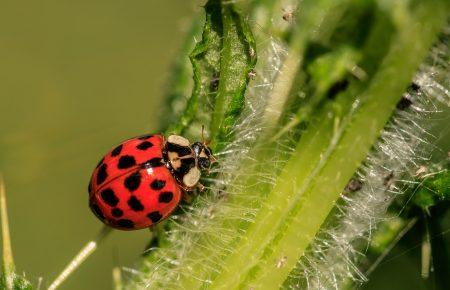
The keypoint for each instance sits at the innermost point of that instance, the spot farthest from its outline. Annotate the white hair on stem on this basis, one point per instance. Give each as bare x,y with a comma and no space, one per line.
200,222
404,145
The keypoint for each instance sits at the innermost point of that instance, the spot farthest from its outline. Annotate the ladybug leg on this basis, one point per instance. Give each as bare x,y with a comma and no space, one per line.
188,190
188,197
188,193
200,187
156,230
213,159
185,188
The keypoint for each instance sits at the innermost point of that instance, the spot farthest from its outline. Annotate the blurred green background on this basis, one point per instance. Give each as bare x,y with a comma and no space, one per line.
76,78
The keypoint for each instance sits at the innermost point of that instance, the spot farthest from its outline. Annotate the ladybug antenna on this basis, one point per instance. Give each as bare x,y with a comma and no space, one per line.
203,134
205,142
213,159
82,255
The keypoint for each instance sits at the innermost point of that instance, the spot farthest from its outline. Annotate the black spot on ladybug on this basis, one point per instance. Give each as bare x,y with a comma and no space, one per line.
157,184
97,211
89,187
109,197
124,223
100,162
117,212
133,181
165,197
117,150
144,137
154,162
126,161
144,145
101,174
154,216
135,204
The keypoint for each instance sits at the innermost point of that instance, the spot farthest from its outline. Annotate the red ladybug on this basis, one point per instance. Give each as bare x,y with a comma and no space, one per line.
141,181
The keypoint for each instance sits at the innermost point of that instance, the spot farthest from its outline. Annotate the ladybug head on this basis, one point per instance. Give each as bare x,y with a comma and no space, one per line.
203,155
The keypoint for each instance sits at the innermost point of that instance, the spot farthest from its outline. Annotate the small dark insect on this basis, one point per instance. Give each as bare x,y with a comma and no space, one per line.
288,14
353,185
388,180
214,84
404,103
414,86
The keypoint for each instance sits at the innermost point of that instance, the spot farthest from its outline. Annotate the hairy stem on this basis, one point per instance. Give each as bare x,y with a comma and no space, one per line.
309,200
8,260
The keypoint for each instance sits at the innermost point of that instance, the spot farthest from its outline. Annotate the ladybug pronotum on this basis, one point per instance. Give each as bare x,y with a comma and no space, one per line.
141,181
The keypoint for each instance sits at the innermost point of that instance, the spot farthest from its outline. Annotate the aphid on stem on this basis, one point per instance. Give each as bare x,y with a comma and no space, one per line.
289,14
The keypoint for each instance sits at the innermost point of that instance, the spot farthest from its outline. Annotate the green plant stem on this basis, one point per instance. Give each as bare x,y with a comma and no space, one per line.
440,252
334,67
384,240
237,60
429,198
311,25
8,260
262,247
205,60
317,18
117,278
340,132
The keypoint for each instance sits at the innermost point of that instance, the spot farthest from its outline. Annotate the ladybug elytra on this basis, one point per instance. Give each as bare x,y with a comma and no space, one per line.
141,181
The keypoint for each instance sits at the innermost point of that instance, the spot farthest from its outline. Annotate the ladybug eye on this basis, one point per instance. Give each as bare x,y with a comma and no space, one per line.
197,147
204,163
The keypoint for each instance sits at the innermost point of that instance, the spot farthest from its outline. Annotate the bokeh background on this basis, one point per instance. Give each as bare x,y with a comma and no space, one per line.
77,77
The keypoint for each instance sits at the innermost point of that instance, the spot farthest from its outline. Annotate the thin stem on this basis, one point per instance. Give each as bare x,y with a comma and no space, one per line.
117,278
8,260
409,225
426,250
283,84
311,26
84,253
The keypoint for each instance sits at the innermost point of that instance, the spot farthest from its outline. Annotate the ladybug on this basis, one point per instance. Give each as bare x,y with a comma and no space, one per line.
141,181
